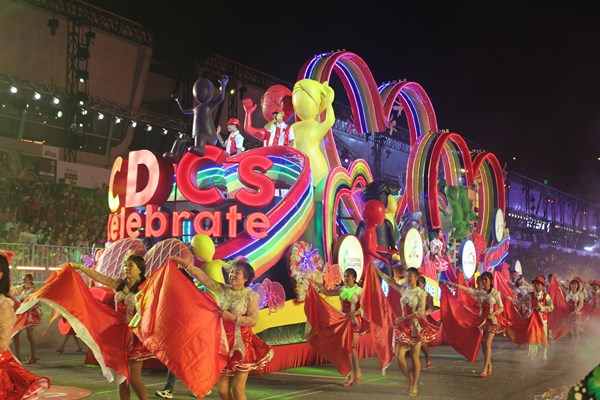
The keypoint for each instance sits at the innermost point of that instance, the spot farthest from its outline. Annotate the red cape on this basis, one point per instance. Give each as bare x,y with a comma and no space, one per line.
378,311
101,328
460,325
330,331
558,320
180,325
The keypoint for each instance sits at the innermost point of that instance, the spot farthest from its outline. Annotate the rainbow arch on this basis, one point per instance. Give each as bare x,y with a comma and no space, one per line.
452,152
491,191
415,102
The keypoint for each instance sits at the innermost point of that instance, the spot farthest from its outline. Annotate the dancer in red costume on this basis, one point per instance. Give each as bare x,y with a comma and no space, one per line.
594,298
238,306
491,309
539,302
16,382
31,318
125,290
411,329
575,300
429,308
350,295
279,133
522,290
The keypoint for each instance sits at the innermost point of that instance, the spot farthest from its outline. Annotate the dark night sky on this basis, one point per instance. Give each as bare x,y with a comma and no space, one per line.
520,81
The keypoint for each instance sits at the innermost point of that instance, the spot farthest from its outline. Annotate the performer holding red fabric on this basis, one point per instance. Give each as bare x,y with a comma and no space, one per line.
491,311
350,295
592,306
15,381
522,290
429,309
411,329
28,320
540,303
125,290
238,306
575,300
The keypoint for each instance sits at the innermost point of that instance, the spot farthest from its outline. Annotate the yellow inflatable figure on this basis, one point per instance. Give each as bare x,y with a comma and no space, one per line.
390,214
310,98
204,248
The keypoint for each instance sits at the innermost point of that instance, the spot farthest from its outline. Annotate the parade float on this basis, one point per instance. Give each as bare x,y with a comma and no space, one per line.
293,212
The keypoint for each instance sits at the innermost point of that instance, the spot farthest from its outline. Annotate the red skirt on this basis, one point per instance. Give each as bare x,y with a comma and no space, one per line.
16,383
405,333
501,324
256,353
136,351
360,325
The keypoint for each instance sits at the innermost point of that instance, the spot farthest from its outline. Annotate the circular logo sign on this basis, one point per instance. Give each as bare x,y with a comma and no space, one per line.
498,225
348,253
468,258
411,249
516,266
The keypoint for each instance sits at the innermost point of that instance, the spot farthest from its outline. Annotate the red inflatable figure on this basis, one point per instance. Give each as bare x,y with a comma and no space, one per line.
277,96
373,215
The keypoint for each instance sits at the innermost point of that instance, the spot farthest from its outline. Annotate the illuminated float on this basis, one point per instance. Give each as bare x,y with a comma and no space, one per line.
289,211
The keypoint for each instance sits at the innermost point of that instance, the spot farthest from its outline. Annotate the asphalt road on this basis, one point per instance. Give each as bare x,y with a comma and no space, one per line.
451,377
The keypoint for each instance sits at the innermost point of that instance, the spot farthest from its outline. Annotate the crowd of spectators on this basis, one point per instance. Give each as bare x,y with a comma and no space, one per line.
565,264
38,212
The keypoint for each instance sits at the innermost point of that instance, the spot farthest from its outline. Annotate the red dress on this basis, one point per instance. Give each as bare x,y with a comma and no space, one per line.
125,303
350,301
416,330
33,317
490,302
16,383
247,351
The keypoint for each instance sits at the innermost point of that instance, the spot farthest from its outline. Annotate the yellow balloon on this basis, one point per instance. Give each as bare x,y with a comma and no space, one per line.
214,269
203,247
310,98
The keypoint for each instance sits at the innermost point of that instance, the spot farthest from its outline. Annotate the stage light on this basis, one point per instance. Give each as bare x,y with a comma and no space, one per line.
117,120
55,101
88,37
148,128
164,131
53,25
59,114
100,116
133,124
13,90
82,75
84,112
83,53
37,96
242,91
514,158
231,91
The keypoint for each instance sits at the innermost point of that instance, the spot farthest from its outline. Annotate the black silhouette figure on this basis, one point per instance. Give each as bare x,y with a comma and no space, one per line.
203,131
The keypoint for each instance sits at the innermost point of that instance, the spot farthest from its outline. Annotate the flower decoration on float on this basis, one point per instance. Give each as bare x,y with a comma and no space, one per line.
270,295
332,275
305,264
89,260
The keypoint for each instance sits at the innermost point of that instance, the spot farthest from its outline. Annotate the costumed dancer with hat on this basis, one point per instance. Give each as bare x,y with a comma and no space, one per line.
235,141
595,294
540,302
279,133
